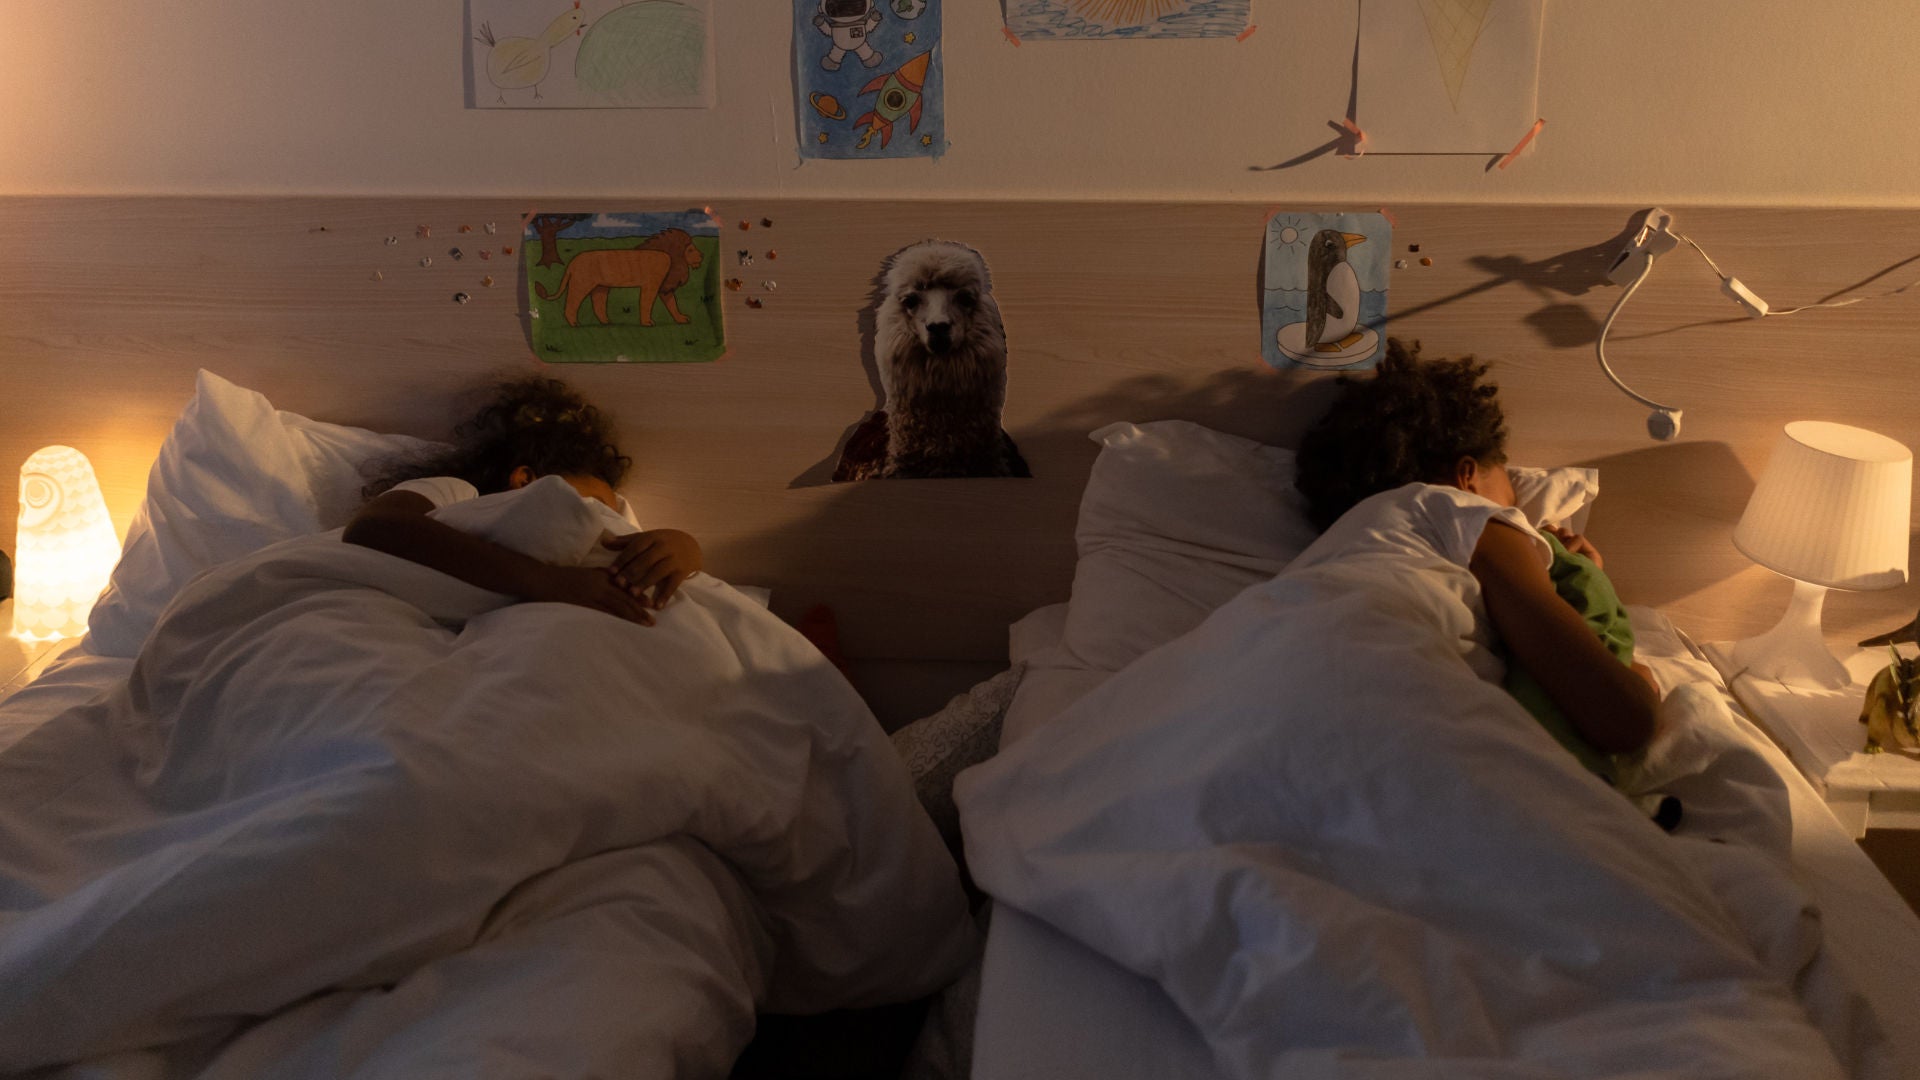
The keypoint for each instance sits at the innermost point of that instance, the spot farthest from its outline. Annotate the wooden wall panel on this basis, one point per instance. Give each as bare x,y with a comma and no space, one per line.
1115,311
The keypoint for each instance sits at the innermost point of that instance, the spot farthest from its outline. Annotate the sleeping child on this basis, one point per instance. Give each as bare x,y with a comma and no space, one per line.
1417,452
530,428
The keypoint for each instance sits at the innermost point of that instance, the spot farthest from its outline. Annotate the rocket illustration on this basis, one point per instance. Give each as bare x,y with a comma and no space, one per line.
1333,292
899,96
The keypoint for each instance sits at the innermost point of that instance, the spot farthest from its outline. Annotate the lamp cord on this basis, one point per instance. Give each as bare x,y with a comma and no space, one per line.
1724,276
1601,344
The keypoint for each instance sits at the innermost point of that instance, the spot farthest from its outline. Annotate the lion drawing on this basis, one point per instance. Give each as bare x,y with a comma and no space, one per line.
661,264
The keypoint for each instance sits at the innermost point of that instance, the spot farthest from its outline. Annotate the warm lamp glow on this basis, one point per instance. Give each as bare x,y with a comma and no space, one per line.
1830,511
66,545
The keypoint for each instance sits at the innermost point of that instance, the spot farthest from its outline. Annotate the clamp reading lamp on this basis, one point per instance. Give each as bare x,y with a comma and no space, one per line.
1653,236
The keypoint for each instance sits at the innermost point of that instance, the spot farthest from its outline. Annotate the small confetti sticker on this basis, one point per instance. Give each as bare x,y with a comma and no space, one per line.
392,240
1399,264
745,224
1426,261
770,285
745,257
461,298
1415,248
771,254
378,276
487,282
456,254
492,228
506,251
424,232
734,283
533,313
466,228
766,223
486,254
426,260
754,302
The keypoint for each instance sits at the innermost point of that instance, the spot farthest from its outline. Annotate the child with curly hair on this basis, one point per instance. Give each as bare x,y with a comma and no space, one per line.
1416,453
529,428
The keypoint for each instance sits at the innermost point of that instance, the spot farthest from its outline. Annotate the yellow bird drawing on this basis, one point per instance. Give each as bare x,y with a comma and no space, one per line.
519,63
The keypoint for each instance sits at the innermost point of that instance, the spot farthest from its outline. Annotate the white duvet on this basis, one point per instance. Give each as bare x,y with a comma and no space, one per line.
1343,854
381,823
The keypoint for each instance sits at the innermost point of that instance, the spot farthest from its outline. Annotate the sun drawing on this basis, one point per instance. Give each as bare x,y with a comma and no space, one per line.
1126,12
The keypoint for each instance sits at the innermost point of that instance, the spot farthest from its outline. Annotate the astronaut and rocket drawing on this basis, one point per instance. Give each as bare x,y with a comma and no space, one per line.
1324,293
880,55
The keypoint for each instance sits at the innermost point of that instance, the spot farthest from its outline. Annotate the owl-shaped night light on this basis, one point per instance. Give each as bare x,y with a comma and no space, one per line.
66,545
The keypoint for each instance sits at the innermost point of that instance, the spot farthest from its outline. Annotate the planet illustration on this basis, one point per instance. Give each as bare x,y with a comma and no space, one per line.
909,9
827,105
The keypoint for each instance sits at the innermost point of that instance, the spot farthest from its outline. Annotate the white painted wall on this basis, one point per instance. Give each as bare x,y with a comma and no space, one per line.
1720,101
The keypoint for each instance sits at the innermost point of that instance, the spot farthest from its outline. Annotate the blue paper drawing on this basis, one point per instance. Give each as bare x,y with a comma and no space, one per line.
1324,293
1087,20
868,79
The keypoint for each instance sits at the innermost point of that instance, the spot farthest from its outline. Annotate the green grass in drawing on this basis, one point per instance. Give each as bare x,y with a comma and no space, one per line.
622,338
652,52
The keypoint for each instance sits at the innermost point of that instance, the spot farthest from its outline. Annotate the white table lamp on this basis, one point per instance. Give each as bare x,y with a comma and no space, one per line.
1831,512
66,545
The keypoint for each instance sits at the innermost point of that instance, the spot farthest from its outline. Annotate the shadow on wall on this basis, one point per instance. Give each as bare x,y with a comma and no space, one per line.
1693,547
938,568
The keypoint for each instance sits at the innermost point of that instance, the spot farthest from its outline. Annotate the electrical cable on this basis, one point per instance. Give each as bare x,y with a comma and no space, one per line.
1724,276
1601,344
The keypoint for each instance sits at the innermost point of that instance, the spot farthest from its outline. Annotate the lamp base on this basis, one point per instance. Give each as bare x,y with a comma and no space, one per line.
1794,651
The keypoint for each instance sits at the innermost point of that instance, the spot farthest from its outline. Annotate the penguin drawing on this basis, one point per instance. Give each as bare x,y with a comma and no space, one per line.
1333,292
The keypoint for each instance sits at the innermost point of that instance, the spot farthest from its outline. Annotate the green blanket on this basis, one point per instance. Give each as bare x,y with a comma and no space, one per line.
1586,587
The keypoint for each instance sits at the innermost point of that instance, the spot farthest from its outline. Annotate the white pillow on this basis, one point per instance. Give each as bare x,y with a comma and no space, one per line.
233,476
1177,519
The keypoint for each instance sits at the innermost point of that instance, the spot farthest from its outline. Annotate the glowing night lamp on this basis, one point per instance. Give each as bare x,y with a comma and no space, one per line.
66,545
1830,512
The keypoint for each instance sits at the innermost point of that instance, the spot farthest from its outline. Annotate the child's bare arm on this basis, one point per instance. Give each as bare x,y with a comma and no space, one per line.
659,559
397,523
1612,706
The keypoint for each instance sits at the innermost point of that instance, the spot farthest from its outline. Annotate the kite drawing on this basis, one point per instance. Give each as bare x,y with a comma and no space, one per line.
590,54
1454,27
1448,76
1324,290
1092,20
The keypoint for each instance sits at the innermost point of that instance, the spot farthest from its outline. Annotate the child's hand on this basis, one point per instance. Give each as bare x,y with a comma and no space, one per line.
588,587
659,559
1576,543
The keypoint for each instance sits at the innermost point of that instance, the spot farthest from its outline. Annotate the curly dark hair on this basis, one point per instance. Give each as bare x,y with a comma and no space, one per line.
1411,421
534,421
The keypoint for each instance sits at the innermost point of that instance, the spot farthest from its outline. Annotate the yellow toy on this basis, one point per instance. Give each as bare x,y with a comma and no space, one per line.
1890,709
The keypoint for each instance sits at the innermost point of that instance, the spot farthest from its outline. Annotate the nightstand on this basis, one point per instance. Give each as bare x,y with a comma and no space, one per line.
1821,732
22,661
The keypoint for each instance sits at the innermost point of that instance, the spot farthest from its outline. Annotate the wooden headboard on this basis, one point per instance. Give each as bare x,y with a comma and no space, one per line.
1114,311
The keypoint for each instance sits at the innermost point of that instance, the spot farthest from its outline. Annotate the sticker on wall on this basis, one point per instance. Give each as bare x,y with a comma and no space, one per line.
941,354
867,78
1447,76
1092,20
624,288
590,54
1324,290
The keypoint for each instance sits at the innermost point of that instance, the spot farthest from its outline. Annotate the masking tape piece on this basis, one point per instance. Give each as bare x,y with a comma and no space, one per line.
1525,141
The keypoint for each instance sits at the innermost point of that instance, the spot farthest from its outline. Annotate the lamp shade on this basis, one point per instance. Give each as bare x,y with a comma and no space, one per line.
1832,508
66,545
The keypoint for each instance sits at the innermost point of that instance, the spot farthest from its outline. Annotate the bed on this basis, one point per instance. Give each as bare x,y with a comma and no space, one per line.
293,807
1176,522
